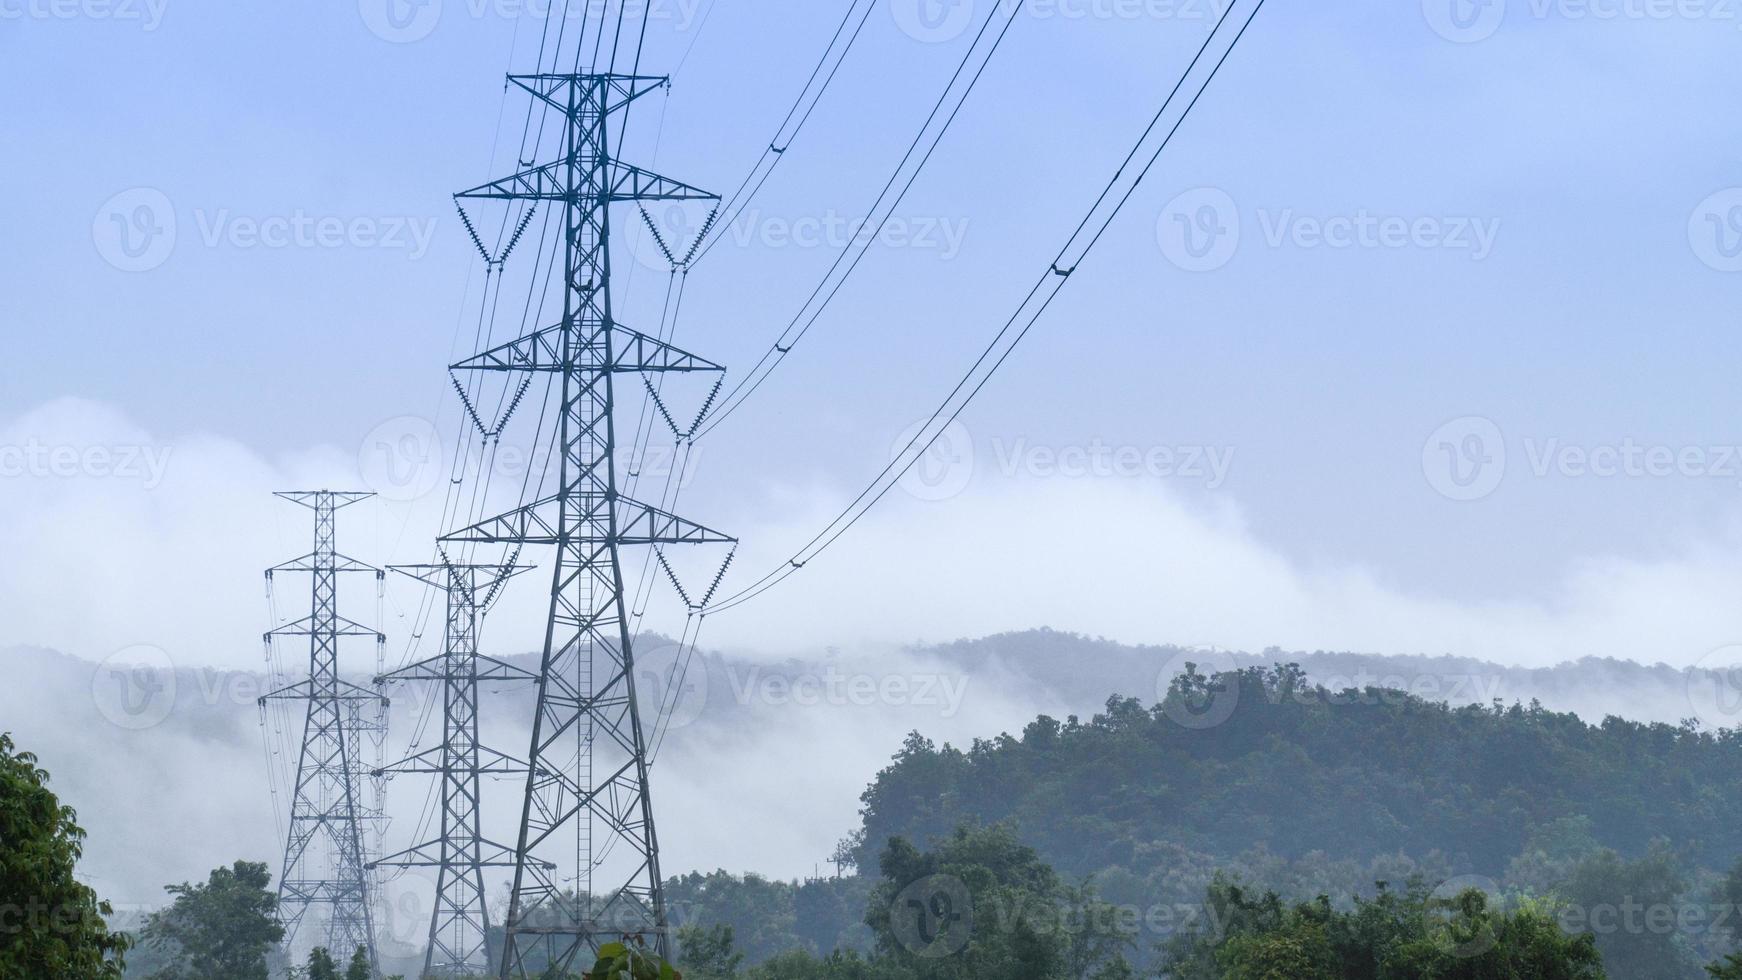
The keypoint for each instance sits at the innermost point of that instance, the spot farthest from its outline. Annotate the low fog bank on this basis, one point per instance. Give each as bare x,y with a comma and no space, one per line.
1083,672
760,764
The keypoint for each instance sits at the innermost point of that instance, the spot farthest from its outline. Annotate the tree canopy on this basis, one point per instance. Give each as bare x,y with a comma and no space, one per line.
51,924
1405,935
220,929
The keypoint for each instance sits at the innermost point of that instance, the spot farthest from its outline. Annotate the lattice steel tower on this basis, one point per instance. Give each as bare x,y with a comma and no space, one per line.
587,807
327,804
459,921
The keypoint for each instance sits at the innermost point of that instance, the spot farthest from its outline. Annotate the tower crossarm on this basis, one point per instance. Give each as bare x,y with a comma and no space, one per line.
630,352
484,670
311,626
305,691
559,92
330,500
308,563
462,581
430,855
637,523
315,891
431,762
623,184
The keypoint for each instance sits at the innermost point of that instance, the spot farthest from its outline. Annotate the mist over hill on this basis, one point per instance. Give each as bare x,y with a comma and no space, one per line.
136,752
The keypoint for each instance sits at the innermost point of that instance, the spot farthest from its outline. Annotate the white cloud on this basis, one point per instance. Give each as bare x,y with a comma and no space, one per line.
1139,564
95,564
99,561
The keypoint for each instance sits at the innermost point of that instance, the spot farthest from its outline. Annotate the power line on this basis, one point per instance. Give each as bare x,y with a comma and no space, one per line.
782,140
784,343
1058,274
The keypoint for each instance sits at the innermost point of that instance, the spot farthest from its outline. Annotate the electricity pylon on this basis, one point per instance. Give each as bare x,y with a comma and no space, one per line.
586,680
326,803
459,922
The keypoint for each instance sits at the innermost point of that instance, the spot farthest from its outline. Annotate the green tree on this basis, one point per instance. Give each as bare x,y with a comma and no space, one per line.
800,965
221,929
1393,936
707,954
1729,969
1630,907
631,961
51,925
321,965
1727,894
360,968
982,904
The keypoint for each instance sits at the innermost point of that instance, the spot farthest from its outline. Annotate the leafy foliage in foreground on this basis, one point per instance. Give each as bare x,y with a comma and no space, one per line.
54,925
768,917
220,929
1394,936
978,905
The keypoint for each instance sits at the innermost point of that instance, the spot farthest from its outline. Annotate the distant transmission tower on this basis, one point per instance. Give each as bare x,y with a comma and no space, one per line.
459,922
587,806
326,804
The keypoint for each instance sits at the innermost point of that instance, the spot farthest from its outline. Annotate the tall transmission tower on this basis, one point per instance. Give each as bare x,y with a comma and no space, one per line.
459,921
326,804
587,808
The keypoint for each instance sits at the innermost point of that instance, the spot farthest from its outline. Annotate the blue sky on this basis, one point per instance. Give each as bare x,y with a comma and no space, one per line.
1564,275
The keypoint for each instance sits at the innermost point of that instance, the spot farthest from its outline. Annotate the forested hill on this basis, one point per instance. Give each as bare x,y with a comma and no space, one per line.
1258,767
1259,777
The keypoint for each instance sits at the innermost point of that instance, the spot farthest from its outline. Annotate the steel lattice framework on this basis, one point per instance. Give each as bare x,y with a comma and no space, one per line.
587,786
326,804
459,921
